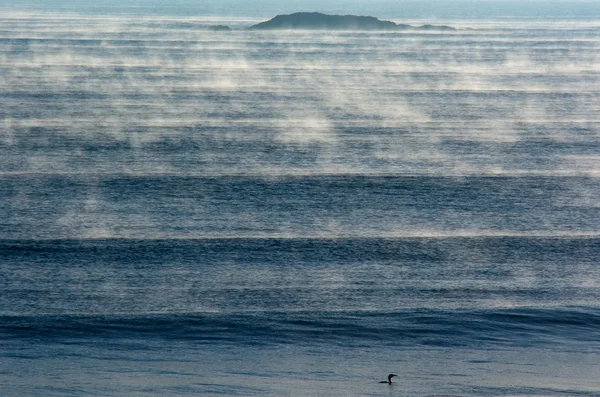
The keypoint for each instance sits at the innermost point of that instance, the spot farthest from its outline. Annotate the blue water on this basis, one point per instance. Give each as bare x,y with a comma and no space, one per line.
186,212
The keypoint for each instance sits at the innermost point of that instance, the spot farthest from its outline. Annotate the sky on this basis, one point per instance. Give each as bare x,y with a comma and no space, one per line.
588,9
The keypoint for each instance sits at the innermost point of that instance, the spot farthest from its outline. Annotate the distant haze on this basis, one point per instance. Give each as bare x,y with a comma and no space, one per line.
410,9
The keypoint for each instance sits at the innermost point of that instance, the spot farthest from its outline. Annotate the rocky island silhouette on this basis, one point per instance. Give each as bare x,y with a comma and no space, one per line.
319,21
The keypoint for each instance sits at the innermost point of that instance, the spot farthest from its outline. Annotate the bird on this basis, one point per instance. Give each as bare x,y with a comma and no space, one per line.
389,381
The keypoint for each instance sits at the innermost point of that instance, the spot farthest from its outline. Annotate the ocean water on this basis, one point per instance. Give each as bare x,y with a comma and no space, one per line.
187,212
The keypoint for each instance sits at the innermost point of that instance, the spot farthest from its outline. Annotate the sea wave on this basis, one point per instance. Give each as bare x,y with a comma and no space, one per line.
517,327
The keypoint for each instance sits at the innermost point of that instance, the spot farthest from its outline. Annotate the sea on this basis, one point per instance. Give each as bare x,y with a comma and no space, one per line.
189,212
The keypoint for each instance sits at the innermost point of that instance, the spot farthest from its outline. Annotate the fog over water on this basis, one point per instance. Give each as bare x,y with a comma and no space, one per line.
90,98
192,212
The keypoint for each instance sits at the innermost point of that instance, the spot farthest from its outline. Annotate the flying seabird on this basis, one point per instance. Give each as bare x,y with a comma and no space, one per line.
390,376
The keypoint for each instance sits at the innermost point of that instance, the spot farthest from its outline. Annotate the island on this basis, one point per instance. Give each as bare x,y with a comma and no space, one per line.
219,28
319,21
